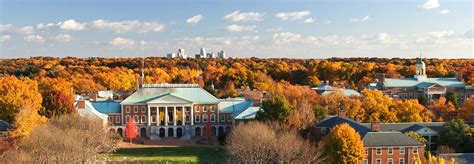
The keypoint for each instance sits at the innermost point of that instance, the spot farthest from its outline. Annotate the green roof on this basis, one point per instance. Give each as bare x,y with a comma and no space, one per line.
106,107
248,113
412,82
196,95
234,105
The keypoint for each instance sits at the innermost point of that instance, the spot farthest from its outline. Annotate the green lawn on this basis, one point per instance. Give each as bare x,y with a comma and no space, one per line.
171,154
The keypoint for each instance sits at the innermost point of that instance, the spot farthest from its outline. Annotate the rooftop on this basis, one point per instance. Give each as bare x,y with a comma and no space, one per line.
373,139
413,82
190,92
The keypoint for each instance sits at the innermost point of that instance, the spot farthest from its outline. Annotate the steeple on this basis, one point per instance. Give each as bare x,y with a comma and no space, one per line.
420,69
142,75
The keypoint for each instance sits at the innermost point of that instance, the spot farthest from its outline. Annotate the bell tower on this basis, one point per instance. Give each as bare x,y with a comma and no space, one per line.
420,69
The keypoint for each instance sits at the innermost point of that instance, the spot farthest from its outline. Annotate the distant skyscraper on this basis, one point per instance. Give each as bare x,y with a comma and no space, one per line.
203,52
221,54
171,55
211,55
181,53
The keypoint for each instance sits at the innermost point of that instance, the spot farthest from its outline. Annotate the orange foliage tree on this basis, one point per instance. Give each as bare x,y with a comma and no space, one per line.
58,98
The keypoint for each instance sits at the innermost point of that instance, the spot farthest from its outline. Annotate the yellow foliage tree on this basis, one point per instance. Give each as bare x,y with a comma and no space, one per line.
119,78
26,121
15,93
344,145
376,106
410,111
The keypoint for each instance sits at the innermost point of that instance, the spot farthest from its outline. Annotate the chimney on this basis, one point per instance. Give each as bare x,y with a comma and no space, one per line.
459,76
94,96
375,126
381,79
81,104
341,114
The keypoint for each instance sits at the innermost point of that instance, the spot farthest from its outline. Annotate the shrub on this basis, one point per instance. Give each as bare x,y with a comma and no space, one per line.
68,138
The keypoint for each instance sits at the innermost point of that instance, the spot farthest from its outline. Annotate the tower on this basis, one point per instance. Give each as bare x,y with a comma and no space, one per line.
142,75
203,52
420,69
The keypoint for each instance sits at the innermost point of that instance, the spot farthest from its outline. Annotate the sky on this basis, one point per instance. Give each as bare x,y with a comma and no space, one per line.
242,28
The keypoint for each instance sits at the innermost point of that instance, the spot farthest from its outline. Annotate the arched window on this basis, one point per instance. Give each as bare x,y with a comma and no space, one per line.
135,118
213,118
127,118
197,118
143,119
204,118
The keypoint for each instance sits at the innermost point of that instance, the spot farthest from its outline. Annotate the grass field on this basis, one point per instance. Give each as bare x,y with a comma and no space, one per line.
171,154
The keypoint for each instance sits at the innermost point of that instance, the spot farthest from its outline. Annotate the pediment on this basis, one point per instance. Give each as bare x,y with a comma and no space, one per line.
426,131
169,99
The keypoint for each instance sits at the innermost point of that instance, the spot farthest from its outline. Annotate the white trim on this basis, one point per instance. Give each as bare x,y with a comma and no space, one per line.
377,151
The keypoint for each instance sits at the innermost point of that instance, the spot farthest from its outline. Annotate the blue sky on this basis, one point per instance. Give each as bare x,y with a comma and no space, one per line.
295,29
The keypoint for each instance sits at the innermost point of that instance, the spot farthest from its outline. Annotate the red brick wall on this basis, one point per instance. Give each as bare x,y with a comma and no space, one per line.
133,113
408,156
208,113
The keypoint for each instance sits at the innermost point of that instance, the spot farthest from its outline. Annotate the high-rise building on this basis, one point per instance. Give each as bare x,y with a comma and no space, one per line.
211,55
181,53
203,52
221,54
171,55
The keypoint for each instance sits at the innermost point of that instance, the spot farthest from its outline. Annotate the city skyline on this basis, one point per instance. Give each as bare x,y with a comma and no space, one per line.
303,29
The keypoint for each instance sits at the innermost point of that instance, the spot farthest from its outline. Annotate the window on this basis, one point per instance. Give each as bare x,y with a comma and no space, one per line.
213,118
229,118
365,161
204,118
323,130
366,151
143,109
415,150
135,118
390,151
402,160
212,108
197,118
390,161
222,117
127,109
135,109
402,150
197,108
143,119
127,118
153,119
117,119
378,161
204,109
379,151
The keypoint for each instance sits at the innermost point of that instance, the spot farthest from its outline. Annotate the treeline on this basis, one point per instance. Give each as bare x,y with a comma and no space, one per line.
91,74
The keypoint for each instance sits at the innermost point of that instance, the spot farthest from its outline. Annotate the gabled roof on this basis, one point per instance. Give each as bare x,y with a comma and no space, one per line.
409,126
4,126
374,139
234,105
196,95
106,107
334,121
346,92
413,82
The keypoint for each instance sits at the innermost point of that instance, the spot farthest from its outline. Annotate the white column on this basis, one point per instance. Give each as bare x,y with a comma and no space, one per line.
148,120
174,132
166,131
174,116
166,118
192,115
157,115
183,115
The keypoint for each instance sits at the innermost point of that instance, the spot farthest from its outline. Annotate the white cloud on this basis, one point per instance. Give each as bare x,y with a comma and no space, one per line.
444,11
286,37
5,27
298,15
238,28
72,25
122,42
429,4
237,16
194,19
34,39
127,26
63,38
42,26
327,22
364,19
25,30
469,34
309,20
441,34
4,38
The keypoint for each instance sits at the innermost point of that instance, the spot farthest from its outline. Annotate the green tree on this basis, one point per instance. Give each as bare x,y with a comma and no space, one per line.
423,100
457,135
344,145
320,112
275,109
453,98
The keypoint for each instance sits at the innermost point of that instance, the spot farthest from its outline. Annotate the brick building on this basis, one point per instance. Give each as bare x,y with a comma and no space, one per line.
380,146
171,110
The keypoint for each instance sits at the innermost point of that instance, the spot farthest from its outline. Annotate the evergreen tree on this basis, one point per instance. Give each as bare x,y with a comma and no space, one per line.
275,109
423,100
453,98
